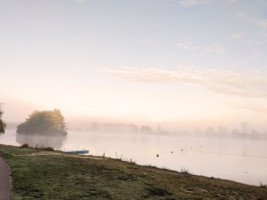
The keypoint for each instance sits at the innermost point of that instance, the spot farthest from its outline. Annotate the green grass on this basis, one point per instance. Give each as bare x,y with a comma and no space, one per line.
42,174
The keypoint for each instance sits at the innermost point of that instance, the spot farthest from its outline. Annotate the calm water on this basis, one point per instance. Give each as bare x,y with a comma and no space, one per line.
234,159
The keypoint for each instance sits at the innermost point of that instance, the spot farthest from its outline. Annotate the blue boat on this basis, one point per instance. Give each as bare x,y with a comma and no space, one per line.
77,151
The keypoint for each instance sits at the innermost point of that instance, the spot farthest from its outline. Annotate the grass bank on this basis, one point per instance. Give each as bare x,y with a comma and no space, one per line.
42,174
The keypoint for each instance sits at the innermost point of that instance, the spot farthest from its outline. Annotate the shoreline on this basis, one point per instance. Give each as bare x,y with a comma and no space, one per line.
235,172
56,175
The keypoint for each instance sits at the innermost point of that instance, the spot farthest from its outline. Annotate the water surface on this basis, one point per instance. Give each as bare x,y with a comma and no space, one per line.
241,160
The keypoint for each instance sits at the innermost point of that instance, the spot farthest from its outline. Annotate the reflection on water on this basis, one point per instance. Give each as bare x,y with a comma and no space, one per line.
41,141
234,159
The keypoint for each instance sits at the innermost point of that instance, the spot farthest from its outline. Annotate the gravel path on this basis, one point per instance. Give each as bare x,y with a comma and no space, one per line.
5,180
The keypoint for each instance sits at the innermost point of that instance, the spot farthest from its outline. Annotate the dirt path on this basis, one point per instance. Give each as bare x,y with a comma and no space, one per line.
5,180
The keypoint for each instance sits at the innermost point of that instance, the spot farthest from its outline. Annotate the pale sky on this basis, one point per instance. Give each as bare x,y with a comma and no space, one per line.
141,60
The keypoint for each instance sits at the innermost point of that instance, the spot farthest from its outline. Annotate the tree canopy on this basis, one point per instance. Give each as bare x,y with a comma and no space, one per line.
2,123
43,123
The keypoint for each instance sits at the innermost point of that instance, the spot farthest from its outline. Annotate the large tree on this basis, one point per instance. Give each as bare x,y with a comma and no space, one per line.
2,123
43,123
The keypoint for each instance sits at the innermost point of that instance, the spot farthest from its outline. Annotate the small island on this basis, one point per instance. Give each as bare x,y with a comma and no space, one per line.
43,129
50,123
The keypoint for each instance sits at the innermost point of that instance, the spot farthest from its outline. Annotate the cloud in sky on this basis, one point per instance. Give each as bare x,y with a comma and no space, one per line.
259,22
186,46
190,3
257,42
220,81
215,49
181,45
211,49
253,107
80,1
232,1
237,35
262,23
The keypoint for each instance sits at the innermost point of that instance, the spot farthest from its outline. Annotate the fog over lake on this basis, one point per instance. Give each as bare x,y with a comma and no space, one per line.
242,160
176,84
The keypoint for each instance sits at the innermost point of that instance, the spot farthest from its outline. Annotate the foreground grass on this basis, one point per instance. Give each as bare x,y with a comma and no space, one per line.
40,174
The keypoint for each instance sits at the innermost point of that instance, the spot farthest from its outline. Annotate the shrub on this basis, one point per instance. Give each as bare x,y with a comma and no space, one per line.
24,146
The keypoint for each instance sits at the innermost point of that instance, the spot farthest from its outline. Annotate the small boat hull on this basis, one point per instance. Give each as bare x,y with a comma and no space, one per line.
77,152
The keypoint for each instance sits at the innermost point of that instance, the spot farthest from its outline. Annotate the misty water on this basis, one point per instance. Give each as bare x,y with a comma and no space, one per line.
241,160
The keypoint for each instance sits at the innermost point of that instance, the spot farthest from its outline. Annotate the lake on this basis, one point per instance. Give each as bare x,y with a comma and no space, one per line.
241,160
